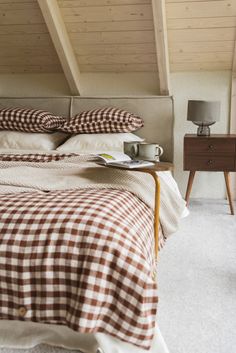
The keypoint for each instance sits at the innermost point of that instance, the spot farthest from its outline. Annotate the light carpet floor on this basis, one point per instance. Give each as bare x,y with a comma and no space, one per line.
197,281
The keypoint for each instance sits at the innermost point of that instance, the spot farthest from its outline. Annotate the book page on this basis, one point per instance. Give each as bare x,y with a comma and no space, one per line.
132,164
113,157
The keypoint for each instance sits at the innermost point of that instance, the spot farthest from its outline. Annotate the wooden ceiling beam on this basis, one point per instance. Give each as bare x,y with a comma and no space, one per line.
159,20
56,27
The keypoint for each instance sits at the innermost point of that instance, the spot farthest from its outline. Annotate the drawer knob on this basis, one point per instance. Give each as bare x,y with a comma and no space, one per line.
210,147
209,162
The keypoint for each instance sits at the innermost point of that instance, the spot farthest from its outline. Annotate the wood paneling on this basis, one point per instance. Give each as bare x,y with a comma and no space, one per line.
119,33
113,49
214,22
15,1
23,29
9,51
117,59
221,57
201,47
201,9
174,1
201,34
21,17
119,68
78,3
26,40
21,60
195,66
20,13
25,43
107,26
112,37
111,13
8,69
13,6
98,31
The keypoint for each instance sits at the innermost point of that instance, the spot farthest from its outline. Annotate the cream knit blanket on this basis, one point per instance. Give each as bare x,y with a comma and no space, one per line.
79,172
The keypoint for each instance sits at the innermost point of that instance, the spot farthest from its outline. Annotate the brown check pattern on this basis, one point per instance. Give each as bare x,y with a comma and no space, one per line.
36,157
103,120
29,120
80,258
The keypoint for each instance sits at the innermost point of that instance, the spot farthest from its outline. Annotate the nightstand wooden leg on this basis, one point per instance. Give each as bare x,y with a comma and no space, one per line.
189,187
227,182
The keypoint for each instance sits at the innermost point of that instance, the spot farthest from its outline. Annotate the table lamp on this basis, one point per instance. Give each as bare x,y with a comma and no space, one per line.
203,114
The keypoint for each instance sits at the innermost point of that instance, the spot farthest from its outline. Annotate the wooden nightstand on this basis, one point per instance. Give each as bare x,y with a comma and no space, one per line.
215,153
152,170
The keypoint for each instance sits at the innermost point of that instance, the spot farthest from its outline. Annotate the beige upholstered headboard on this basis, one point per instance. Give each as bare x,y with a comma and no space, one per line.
157,112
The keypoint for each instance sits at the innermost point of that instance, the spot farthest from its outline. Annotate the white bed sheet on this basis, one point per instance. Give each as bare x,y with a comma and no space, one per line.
168,178
26,335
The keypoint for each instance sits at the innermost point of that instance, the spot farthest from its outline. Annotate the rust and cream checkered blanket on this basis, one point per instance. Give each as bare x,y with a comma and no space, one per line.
77,249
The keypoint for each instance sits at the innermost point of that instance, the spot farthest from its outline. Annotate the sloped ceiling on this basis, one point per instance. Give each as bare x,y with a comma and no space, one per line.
25,44
201,34
119,35
111,36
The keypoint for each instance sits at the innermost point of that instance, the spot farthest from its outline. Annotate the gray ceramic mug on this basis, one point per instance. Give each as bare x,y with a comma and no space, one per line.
131,148
150,151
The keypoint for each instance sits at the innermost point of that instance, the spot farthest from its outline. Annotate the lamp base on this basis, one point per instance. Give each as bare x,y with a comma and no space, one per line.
203,127
203,130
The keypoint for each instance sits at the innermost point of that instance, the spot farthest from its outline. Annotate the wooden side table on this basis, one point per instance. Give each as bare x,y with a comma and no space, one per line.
214,153
152,170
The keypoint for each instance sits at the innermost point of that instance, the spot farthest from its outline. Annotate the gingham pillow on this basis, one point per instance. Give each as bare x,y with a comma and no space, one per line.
29,120
103,120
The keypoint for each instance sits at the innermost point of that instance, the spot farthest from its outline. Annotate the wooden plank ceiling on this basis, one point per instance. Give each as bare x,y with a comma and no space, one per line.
111,35
201,34
26,46
119,35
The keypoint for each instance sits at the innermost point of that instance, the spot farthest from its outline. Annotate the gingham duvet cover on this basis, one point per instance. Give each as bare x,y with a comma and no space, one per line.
81,257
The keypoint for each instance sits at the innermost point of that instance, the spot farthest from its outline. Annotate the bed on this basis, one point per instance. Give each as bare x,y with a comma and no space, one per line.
111,301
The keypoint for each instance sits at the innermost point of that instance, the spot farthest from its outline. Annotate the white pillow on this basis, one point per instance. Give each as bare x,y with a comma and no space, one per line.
31,141
97,143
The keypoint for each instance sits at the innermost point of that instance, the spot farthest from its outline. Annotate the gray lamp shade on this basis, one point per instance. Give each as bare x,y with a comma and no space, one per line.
203,111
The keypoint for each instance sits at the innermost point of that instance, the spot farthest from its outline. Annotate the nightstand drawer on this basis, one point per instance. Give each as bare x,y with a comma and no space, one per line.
209,163
209,145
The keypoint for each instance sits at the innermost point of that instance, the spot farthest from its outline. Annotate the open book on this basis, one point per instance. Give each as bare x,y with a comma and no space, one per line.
121,160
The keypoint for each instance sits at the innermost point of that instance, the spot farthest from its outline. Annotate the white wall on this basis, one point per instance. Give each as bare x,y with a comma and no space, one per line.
120,84
140,83
203,85
33,85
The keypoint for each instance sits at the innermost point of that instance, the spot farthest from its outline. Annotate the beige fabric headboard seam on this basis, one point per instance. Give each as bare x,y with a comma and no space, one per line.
156,111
